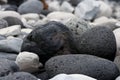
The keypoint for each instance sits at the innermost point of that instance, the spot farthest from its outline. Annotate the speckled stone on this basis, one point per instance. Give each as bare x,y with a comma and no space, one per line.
82,64
98,41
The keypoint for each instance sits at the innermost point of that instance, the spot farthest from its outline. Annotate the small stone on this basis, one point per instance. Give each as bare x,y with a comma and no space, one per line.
66,7
30,6
11,30
28,62
87,9
105,10
53,5
106,22
11,45
4,14
60,16
93,66
72,77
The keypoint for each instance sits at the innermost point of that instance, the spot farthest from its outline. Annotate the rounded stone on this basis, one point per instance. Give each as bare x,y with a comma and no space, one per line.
89,65
20,76
77,27
105,9
30,6
7,67
87,9
48,40
9,14
13,21
3,23
60,16
28,62
98,41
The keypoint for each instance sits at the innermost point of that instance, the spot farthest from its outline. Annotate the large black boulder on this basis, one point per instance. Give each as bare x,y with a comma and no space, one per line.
49,40
99,68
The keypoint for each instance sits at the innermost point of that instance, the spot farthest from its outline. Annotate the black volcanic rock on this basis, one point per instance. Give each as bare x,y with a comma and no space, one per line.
98,41
89,65
49,40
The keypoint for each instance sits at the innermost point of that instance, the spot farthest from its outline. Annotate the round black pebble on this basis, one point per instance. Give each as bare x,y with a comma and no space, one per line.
49,40
98,41
89,65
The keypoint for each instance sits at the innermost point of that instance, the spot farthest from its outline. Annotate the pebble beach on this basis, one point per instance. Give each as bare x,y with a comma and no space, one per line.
59,40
